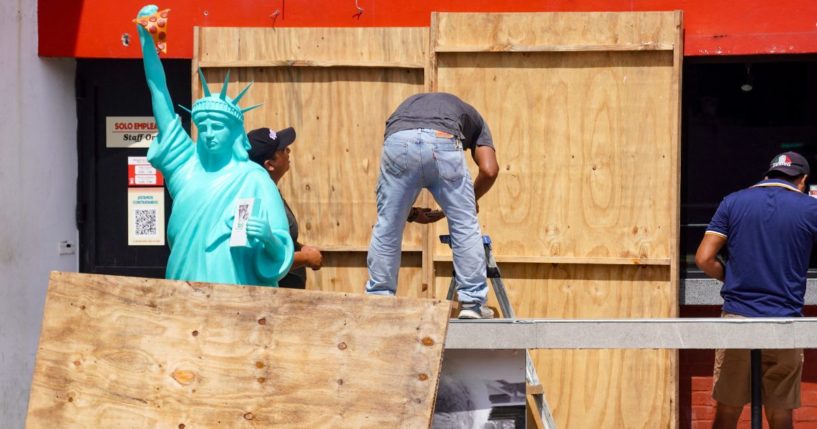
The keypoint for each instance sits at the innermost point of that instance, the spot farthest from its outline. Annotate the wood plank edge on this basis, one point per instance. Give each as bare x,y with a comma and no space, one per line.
308,63
558,48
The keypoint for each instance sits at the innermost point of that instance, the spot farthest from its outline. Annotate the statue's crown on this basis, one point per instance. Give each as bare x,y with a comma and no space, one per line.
220,102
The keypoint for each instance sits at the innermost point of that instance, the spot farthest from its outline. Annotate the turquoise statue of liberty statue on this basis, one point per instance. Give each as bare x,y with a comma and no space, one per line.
207,180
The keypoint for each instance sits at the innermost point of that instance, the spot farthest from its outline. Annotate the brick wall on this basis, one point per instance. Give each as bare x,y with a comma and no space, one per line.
695,385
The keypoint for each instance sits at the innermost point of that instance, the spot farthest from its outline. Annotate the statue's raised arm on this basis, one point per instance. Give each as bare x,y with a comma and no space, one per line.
154,72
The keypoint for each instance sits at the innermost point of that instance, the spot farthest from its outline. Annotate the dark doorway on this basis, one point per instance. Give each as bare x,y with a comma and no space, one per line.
738,112
115,88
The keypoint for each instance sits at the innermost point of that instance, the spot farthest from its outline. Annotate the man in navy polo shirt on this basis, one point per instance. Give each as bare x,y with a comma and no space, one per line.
769,230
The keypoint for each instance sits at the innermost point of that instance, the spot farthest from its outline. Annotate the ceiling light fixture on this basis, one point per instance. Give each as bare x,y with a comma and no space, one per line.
747,86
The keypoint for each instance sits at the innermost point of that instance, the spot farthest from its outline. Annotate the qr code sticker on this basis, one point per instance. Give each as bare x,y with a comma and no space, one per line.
145,222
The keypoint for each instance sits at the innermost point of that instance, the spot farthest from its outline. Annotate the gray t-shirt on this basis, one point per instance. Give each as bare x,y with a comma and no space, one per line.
443,112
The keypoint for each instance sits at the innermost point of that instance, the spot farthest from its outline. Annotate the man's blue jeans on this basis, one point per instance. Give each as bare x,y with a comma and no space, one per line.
412,160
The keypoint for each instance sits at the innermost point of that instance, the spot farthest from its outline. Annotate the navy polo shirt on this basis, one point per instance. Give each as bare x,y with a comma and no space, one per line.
770,229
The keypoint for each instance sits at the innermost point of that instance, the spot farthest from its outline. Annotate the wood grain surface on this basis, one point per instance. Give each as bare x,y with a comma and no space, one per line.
353,46
347,272
585,150
128,352
583,109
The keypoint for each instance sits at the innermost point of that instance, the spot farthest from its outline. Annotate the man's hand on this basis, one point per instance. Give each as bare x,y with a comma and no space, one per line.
425,215
312,257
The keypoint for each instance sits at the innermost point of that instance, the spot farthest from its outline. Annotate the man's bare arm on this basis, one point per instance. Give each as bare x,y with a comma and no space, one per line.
485,157
706,256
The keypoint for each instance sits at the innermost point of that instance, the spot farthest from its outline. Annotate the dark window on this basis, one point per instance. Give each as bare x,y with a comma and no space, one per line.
738,112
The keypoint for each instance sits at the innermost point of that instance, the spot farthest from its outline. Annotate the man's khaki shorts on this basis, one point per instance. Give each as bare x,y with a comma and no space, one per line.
781,372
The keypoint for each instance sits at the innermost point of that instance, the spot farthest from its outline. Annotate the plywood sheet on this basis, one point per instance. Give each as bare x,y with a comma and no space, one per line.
583,108
141,353
584,142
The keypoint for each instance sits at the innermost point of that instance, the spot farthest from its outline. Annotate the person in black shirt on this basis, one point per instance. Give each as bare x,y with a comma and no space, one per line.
270,149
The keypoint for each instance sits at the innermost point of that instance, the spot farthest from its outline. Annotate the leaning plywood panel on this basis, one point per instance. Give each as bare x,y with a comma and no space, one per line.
141,353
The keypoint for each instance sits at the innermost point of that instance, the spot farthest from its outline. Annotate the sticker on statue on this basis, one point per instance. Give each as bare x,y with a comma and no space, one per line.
243,209
156,25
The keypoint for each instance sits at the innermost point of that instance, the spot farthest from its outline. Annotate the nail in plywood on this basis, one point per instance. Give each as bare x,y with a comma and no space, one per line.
141,353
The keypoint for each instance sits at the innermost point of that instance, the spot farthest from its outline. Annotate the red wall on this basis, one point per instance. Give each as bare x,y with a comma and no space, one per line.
94,28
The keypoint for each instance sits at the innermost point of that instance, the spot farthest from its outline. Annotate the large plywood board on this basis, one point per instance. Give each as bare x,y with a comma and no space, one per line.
584,111
141,353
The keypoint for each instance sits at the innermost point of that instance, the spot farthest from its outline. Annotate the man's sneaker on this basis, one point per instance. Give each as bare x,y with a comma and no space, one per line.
475,311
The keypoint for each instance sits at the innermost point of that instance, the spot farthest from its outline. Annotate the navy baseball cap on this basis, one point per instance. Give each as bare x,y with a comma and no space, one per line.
265,141
789,163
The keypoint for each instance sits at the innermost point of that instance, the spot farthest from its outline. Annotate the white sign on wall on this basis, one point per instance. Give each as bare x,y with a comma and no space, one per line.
130,131
146,216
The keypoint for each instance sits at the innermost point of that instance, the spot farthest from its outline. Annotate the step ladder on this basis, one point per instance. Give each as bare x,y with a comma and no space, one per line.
535,391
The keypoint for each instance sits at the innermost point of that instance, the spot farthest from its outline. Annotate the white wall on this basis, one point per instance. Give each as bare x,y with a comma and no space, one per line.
38,170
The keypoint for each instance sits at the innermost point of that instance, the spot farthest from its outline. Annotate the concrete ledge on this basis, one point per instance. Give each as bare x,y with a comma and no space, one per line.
708,292
692,333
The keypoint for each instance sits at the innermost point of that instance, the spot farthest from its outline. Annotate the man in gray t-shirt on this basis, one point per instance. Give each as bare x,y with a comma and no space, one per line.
424,147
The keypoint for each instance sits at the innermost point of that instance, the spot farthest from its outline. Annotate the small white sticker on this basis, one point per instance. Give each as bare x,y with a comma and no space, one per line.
243,209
